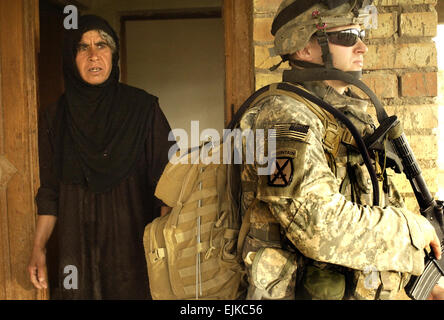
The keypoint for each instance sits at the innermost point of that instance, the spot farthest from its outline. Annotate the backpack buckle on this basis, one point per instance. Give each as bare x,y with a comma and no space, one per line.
157,254
332,138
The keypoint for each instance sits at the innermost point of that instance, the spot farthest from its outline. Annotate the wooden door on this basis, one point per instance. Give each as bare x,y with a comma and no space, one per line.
239,69
19,175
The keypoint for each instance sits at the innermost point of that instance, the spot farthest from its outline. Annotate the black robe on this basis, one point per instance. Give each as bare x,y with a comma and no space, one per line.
97,243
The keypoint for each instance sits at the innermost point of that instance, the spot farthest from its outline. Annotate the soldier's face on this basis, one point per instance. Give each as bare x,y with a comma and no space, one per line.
344,58
348,58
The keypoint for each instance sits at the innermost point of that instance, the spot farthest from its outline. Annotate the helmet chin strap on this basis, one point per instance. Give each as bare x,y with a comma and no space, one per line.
309,65
320,73
326,55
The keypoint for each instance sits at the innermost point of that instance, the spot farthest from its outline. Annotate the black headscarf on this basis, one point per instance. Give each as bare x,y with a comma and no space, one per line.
101,129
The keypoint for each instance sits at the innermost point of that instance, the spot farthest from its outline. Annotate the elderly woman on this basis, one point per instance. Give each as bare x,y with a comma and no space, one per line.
103,147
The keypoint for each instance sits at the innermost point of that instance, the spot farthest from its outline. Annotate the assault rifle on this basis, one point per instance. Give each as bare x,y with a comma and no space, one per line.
399,156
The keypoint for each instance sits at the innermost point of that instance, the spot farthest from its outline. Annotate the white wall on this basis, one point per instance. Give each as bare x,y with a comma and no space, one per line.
181,62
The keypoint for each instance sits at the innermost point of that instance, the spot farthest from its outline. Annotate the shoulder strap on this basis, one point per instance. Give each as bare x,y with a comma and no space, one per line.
334,133
328,108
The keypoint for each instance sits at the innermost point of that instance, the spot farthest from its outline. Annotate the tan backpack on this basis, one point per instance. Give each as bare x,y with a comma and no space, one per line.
194,252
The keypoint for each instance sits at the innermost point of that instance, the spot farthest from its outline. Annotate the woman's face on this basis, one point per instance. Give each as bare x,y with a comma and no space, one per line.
94,58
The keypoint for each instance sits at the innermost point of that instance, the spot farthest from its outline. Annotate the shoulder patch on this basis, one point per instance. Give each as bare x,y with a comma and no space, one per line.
283,174
291,131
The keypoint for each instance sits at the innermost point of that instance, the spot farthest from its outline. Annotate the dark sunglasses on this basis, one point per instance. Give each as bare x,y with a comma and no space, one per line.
346,38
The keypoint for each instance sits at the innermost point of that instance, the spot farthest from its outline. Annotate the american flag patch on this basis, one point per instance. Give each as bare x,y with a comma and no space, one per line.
290,131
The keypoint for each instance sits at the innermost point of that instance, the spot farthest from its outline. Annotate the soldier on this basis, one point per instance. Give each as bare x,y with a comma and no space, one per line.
314,232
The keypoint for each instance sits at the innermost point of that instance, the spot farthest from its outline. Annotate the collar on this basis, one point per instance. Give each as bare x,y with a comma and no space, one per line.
344,102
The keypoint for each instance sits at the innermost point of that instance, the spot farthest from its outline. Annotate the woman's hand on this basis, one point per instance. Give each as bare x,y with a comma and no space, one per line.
37,264
37,268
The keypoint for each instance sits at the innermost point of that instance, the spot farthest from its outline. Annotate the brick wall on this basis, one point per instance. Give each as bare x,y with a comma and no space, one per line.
400,67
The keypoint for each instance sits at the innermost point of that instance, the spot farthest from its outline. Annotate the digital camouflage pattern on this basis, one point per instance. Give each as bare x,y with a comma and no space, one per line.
315,210
273,274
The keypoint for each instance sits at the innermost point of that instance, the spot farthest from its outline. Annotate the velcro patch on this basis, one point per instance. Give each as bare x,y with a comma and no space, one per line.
283,174
290,131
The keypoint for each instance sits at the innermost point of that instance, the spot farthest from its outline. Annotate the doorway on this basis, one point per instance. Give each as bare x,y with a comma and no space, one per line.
21,72
178,57
50,73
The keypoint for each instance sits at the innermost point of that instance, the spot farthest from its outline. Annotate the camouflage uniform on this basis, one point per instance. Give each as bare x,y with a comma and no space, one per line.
313,225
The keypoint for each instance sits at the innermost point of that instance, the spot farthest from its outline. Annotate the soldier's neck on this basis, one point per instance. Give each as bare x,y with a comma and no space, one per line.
338,85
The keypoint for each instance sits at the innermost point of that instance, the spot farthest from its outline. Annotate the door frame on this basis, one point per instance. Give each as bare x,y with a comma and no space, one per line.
239,53
19,44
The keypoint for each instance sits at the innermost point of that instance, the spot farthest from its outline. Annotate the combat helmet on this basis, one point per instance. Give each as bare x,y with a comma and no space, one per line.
296,22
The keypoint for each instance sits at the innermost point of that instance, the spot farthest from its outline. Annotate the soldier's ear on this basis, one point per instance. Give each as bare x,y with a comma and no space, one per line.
312,52
304,54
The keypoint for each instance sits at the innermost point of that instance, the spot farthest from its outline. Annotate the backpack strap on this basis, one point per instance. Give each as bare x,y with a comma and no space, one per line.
361,146
333,136
334,133
243,232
